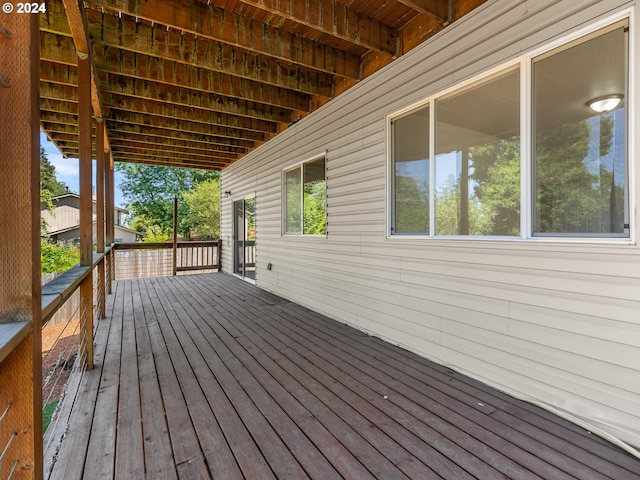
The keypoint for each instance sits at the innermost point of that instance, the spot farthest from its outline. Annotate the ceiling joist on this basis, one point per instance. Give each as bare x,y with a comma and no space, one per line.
200,84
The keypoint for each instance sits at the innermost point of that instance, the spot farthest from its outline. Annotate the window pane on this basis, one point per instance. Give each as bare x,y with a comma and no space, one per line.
411,173
293,201
580,166
315,205
477,163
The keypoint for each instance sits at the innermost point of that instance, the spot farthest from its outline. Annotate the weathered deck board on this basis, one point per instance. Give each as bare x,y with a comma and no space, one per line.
205,376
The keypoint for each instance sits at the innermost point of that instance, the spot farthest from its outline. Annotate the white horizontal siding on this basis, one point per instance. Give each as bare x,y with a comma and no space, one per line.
557,323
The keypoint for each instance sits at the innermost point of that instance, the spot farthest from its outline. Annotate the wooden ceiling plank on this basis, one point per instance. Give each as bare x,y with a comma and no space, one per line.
58,106
70,141
183,146
55,19
437,9
133,131
190,127
142,150
57,73
176,163
180,112
170,45
193,98
133,65
330,18
215,23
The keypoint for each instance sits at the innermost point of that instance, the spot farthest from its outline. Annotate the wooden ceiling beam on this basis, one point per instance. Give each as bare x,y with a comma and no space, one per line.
144,121
170,137
115,61
190,127
141,150
216,24
71,141
171,45
330,18
132,65
180,112
78,27
174,163
132,131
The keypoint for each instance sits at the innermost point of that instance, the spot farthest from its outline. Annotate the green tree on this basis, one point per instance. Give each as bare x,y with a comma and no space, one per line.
565,200
48,180
150,190
412,205
57,258
496,176
203,210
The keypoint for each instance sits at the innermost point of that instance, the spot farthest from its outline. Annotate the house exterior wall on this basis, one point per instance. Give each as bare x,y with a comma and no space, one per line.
553,322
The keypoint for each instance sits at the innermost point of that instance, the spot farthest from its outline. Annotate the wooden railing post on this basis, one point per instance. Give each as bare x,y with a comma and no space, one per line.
175,236
20,356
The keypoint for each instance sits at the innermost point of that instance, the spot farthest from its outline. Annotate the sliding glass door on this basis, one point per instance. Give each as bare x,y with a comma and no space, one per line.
244,238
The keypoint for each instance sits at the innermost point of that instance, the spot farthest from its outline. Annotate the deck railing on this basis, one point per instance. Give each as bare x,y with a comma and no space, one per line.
75,354
138,260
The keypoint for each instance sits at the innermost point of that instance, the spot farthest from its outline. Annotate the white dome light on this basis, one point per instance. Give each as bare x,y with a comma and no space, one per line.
605,104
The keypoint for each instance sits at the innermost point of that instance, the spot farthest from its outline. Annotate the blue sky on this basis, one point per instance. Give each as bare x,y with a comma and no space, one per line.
67,169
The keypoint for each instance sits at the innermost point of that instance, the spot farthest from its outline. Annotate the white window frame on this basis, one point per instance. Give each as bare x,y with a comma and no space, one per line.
300,165
525,64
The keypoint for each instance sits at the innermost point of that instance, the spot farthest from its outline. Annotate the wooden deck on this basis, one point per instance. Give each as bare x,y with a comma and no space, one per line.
205,376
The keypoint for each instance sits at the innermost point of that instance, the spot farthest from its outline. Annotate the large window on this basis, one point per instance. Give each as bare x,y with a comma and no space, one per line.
579,153
477,162
305,202
457,162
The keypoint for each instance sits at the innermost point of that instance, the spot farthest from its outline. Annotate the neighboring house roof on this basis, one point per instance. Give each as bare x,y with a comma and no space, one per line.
75,195
66,215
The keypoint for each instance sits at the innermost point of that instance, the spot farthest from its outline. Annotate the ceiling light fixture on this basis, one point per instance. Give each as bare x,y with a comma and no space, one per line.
605,103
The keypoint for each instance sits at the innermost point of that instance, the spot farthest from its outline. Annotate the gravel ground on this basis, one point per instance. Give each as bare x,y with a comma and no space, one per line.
60,343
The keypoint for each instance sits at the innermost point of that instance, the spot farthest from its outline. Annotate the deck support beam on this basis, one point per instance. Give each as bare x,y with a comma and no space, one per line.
100,215
20,291
86,205
109,215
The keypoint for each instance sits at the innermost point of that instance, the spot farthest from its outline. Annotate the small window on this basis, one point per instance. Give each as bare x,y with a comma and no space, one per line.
410,187
305,202
579,141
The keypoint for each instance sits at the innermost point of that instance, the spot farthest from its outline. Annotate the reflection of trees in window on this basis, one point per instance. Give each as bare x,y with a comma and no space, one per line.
315,209
306,206
412,205
490,203
576,188
293,205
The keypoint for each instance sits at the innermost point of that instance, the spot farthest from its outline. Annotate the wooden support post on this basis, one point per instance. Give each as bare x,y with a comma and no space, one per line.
175,235
86,205
21,368
110,218
100,216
